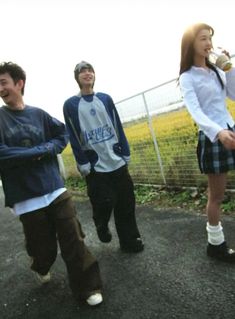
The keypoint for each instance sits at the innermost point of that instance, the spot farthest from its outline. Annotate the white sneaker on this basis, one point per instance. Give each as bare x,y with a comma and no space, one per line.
43,278
94,299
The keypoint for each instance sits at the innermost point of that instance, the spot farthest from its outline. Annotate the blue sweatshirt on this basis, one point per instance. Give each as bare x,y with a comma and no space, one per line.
96,133
30,140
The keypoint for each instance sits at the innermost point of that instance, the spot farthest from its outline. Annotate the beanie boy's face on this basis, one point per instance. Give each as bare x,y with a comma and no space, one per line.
86,78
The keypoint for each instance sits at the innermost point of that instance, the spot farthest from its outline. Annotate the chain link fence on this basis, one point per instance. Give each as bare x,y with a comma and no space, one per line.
162,137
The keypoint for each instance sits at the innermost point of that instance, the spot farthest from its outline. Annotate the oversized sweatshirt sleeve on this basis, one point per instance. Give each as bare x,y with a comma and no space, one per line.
123,145
73,128
230,87
56,141
57,136
16,156
210,128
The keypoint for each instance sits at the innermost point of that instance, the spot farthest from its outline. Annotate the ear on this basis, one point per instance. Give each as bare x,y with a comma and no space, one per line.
20,84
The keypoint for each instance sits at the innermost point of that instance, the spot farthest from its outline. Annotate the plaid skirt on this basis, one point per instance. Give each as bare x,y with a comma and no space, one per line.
214,158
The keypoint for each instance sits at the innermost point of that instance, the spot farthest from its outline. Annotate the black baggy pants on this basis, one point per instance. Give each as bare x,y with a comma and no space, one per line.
114,191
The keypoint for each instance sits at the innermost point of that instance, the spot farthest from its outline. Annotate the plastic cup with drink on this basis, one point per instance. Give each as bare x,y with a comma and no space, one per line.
220,59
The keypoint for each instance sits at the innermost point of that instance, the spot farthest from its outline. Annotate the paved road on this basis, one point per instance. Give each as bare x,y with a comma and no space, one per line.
172,278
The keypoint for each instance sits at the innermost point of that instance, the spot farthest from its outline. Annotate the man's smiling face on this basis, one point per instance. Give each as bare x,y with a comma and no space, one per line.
10,91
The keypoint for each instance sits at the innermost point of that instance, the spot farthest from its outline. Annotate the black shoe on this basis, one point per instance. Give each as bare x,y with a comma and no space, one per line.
221,252
134,246
104,234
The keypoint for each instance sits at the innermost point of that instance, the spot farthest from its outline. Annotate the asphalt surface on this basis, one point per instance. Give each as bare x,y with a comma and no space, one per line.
171,278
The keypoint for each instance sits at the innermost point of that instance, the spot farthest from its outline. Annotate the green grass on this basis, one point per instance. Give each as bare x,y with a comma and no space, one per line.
193,199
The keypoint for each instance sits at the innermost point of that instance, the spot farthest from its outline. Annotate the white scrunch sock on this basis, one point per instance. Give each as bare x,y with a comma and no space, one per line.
215,234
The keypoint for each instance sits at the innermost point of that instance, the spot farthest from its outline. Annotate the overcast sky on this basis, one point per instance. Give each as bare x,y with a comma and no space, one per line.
133,45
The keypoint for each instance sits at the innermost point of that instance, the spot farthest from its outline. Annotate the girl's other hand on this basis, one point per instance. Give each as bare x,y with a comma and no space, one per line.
227,138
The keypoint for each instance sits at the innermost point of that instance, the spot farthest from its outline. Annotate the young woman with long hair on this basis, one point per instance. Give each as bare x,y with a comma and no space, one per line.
205,87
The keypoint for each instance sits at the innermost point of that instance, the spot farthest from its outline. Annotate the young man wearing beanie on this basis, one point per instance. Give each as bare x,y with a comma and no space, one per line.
30,140
102,154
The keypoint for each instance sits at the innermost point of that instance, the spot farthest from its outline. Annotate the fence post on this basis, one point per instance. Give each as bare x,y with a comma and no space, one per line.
61,166
154,139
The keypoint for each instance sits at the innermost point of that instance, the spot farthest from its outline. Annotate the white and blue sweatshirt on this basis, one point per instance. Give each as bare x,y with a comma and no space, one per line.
96,133
30,140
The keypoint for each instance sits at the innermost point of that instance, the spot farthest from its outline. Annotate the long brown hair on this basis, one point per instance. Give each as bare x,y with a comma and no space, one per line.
187,49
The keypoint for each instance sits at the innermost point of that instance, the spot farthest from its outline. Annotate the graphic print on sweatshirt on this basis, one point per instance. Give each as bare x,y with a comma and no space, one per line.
24,135
18,130
98,133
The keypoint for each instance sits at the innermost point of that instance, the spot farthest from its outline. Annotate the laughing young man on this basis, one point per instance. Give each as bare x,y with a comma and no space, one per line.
30,140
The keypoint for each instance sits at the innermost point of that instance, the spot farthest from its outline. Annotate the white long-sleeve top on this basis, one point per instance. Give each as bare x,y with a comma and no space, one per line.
206,100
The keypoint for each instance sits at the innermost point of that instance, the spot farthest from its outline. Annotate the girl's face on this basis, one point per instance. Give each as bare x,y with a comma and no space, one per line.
202,44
